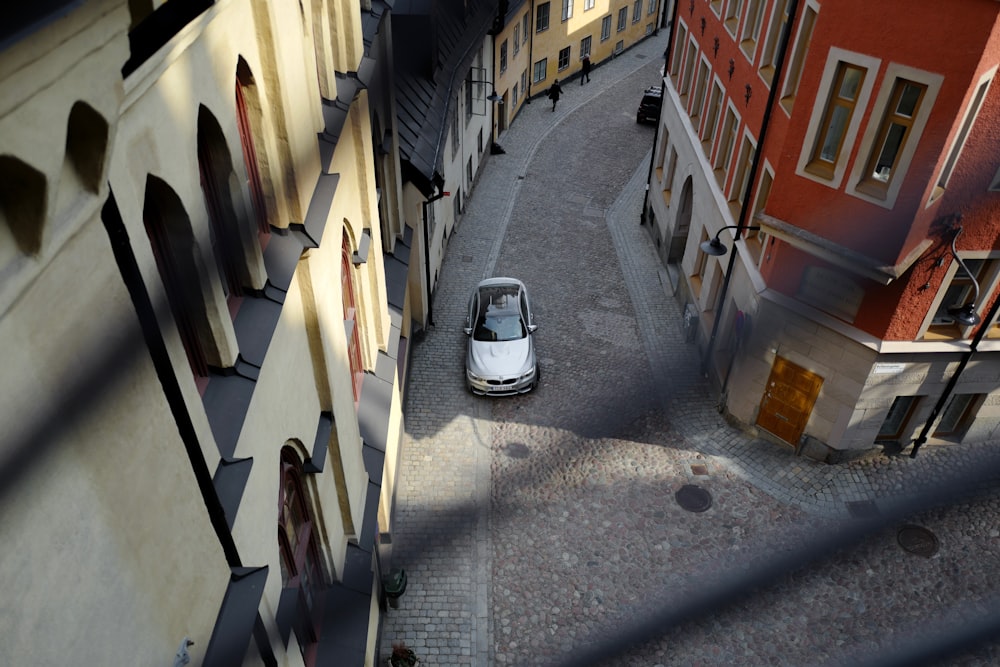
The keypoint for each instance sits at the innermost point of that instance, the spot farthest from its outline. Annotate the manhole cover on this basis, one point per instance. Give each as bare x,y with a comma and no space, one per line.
917,540
693,498
517,450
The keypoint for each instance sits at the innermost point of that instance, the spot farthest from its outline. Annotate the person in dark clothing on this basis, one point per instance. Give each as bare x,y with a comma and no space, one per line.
554,92
585,72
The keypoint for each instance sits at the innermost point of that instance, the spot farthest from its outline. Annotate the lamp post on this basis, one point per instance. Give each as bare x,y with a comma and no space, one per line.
966,316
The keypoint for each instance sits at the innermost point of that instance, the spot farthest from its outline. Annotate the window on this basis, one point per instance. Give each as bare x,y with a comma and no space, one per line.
542,17
728,138
517,38
836,119
688,70
961,291
699,92
756,239
563,58
894,426
524,29
733,12
524,79
351,319
740,180
588,5
714,106
585,46
299,557
798,58
892,135
668,178
503,56
678,51
779,18
637,11
567,9
541,68
652,7
622,18
751,29
514,95
959,141
958,414
468,95
606,28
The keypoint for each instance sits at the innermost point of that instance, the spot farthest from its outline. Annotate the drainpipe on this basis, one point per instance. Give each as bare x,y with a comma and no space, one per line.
531,53
772,95
656,131
953,380
427,253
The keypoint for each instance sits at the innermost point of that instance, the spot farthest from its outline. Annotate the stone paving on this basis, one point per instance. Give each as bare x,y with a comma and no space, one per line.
544,530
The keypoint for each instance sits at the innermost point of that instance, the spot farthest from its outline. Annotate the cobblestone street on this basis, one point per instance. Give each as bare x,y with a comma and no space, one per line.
539,528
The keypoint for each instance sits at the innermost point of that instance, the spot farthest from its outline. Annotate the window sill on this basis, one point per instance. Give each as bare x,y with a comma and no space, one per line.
666,197
787,103
821,170
695,281
876,189
748,46
767,73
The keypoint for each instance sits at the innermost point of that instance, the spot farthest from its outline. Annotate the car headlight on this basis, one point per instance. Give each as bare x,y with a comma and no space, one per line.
531,372
473,376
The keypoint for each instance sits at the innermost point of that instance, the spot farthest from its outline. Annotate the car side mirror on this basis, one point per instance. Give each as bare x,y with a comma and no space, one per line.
532,327
467,330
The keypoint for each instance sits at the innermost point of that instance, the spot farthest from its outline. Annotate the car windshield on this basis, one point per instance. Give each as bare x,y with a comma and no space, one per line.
499,318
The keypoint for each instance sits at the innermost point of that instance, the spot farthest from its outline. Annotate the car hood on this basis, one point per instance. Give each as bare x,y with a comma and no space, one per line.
500,358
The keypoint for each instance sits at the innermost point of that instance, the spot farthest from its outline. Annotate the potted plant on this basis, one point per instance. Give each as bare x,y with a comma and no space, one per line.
402,656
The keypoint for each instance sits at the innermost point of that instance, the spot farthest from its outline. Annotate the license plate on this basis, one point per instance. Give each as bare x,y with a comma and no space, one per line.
503,387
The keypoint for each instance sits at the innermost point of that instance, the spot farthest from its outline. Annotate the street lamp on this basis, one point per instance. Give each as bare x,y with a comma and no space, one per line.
965,315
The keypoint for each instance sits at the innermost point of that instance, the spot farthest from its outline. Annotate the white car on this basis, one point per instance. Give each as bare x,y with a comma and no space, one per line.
500,360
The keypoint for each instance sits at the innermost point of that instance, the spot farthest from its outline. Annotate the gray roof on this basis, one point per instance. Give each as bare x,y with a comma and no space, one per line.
434,43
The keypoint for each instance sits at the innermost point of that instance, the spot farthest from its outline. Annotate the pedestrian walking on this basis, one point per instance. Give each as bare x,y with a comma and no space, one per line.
554,92
585,72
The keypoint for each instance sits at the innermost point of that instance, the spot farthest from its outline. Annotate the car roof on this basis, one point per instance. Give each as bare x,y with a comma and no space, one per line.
500,280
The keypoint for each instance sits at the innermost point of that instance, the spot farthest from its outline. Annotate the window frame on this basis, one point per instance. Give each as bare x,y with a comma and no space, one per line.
725,149
544,64
622,19
775,28
563,58
969,118
542,16
606,27
833,177
857,184
567,10
799,53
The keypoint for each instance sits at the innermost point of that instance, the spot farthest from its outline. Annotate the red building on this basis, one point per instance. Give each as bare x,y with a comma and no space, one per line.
845,155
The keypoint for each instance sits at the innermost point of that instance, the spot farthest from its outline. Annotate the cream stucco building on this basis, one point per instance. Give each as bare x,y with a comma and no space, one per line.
205,302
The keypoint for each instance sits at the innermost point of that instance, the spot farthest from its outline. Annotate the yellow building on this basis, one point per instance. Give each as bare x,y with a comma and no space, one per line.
539,42
205,324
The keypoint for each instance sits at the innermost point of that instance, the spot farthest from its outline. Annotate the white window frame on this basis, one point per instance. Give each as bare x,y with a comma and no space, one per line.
734,15
775,26
724,162
797,57
750,37
893,72
833,60
964,129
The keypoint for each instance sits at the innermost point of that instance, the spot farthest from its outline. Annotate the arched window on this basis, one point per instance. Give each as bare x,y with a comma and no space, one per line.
215,166
351,318
247,113
175,252
301,574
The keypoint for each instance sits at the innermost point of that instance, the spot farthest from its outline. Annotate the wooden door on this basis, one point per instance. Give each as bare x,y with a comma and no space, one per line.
788,400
